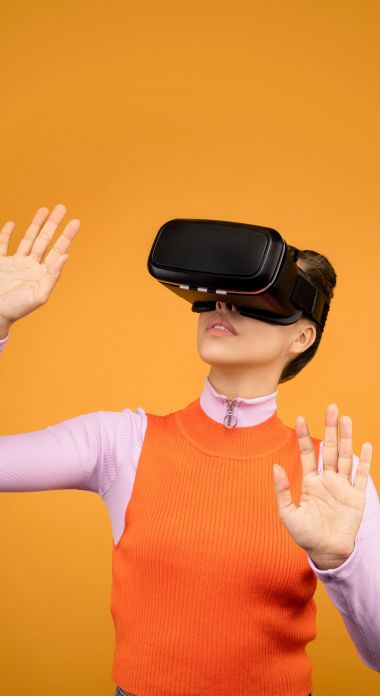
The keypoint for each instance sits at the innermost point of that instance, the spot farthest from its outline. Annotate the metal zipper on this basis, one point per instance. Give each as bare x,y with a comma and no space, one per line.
229,419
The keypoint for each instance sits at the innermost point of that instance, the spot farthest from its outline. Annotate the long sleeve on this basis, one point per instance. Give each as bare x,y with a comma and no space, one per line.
354,587
65,455
95,452
3,342
90,452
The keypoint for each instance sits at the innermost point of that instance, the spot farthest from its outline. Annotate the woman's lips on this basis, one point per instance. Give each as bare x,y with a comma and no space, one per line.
220,332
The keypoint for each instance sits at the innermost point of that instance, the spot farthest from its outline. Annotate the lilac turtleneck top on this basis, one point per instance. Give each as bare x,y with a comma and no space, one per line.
99,452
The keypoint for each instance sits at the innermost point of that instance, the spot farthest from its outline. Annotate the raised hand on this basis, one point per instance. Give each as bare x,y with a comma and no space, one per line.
327,519
26,281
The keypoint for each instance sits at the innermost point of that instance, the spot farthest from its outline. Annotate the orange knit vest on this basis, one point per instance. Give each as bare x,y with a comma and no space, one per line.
211,596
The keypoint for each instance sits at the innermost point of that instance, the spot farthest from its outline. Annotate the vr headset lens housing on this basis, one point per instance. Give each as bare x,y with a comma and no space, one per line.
249,266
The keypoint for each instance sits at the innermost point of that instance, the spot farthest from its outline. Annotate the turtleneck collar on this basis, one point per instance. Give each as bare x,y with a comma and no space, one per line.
258,430
243,412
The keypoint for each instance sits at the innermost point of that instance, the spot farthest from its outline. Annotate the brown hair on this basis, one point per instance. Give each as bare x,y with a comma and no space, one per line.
319,271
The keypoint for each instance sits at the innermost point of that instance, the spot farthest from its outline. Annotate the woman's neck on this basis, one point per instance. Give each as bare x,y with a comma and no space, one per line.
235,382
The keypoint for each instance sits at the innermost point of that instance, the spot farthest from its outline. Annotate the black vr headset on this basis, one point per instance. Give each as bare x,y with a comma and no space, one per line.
248,266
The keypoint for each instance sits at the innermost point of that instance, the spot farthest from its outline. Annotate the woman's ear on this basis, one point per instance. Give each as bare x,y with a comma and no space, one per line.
304,338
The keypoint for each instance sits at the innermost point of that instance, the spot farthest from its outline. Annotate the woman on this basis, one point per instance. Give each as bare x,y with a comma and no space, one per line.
214,564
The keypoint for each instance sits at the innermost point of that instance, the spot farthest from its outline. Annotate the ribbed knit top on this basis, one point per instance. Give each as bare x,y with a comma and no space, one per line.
99,452
210,593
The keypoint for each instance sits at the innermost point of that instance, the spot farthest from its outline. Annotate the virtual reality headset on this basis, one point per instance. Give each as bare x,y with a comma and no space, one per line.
248,266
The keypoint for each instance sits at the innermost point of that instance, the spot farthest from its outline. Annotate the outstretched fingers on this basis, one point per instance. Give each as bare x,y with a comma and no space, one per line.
32,232
330,440
62,244
362,472
345,454
306,447
5,235
37,240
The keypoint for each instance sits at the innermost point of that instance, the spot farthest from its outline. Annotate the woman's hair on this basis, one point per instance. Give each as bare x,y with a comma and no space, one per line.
319,271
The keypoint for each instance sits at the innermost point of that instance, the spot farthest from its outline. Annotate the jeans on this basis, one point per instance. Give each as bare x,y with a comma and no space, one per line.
120,692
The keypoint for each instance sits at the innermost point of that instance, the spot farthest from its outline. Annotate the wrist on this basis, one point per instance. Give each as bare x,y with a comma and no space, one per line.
4,330
329,562
323,565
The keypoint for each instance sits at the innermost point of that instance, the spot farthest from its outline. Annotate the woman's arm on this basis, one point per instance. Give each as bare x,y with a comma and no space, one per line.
96,451
68,454
354,587
64,455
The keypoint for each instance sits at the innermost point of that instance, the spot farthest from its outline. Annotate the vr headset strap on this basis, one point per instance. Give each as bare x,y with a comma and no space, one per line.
310,300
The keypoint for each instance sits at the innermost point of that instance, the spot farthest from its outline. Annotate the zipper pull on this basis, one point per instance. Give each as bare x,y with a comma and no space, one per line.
230,420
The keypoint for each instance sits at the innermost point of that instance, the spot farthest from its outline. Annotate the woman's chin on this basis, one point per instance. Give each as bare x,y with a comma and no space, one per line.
217,357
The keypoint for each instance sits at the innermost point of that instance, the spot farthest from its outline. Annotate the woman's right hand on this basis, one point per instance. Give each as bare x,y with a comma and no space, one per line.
26,282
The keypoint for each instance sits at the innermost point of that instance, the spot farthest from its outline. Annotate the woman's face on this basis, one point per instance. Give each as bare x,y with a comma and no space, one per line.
257,345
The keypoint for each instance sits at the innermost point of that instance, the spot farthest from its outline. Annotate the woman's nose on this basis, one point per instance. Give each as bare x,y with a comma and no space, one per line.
223,305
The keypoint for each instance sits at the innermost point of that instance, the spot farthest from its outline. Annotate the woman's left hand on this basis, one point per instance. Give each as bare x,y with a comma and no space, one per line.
327,519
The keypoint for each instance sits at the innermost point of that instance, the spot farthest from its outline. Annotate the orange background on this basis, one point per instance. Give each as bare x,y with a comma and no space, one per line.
131,114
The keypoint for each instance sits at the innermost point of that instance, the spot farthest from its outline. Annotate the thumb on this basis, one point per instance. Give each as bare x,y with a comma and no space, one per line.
282,491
